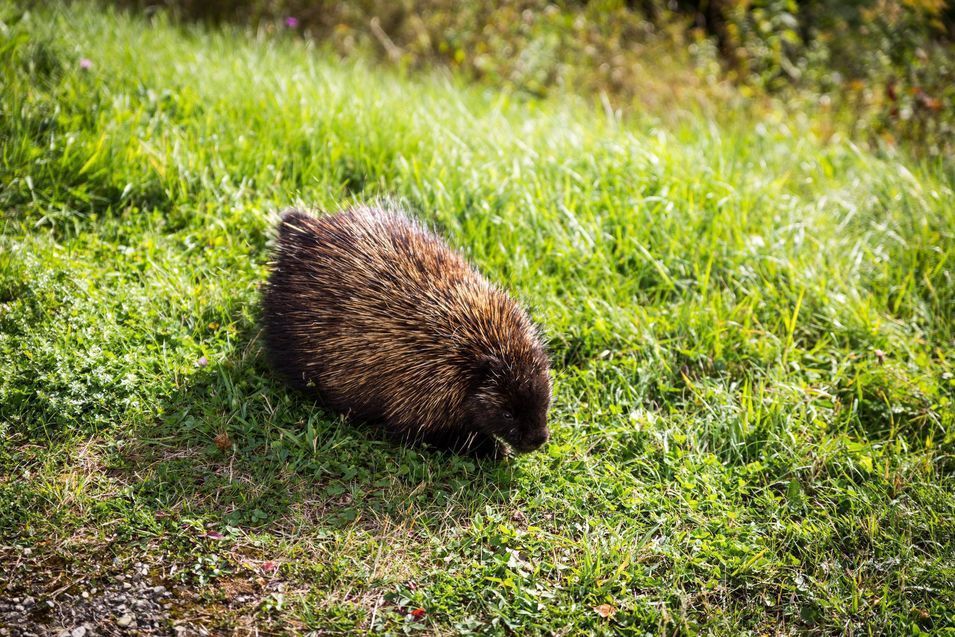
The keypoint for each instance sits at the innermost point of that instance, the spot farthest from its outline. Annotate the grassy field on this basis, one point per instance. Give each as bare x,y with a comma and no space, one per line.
752,338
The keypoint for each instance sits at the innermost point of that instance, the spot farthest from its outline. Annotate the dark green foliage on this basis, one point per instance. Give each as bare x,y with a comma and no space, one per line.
883,69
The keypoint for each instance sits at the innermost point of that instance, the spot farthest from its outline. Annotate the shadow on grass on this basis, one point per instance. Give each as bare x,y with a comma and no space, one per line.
236,446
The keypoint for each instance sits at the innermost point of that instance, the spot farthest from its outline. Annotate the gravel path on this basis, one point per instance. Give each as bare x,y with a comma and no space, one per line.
52,598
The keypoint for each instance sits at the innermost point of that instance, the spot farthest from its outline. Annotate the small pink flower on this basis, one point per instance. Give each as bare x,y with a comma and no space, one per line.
202,362
291,22
86,64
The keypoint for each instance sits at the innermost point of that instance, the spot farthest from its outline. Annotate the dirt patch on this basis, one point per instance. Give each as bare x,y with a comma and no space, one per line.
50,596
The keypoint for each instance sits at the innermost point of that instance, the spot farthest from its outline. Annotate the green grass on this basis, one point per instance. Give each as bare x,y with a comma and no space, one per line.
752,338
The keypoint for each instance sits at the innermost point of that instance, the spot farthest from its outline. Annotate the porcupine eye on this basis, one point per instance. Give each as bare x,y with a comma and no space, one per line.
511,428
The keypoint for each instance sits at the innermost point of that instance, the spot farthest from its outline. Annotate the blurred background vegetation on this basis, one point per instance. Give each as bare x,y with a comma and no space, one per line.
880,72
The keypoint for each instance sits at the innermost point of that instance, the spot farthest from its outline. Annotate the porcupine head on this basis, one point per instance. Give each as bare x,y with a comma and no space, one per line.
511,397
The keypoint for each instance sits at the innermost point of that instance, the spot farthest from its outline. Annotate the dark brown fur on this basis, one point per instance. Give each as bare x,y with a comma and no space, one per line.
387,324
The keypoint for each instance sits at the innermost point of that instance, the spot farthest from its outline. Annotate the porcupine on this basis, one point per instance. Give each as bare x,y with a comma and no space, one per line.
385,323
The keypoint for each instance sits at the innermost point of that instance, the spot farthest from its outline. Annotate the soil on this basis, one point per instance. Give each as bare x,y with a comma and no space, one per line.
53,596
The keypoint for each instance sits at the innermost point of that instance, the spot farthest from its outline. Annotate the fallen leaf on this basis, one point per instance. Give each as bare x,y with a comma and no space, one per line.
605,610
214,535
223,442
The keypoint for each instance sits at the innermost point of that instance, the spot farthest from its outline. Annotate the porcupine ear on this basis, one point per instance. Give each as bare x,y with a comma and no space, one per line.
487,366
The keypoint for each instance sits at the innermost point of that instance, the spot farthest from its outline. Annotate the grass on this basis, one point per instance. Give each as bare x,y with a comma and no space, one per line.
751,331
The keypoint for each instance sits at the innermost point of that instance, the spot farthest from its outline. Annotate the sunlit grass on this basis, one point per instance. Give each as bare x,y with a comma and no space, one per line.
751,332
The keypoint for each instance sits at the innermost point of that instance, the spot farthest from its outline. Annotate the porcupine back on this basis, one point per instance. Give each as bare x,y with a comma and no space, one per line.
384,320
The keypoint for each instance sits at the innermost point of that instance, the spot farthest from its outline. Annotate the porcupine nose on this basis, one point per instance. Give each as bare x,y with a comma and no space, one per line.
536,439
